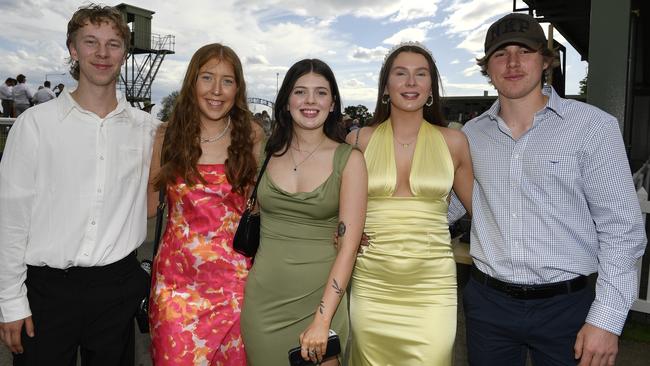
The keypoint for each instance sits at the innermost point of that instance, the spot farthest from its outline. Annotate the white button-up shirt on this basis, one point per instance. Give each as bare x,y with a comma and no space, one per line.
43,95
6,92
72,191
21,94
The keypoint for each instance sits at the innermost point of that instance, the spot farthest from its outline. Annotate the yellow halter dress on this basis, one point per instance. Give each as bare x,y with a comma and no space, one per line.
403,295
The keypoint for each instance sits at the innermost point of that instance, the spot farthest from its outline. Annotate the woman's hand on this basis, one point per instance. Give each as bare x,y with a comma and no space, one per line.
313,341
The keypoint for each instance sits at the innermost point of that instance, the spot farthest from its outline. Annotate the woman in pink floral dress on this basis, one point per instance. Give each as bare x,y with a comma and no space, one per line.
206,164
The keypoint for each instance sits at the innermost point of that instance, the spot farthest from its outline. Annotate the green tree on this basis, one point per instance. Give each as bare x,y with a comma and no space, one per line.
167,106
359,112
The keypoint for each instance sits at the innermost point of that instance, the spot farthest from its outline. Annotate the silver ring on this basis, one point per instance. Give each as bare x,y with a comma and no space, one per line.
312,353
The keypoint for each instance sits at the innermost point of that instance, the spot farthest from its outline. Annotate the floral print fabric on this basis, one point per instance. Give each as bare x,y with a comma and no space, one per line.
198,279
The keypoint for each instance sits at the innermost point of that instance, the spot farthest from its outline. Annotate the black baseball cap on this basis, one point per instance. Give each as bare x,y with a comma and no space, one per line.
514,28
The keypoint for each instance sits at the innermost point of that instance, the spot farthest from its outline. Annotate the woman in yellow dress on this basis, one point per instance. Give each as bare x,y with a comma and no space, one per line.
403,296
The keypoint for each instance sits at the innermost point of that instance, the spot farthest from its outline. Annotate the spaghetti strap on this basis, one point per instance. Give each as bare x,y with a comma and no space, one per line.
356,139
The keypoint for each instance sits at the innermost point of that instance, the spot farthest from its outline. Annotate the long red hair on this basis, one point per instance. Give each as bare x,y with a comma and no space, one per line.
182,149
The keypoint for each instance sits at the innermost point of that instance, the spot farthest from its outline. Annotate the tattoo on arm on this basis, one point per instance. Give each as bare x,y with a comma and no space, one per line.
321,307
337,288
341,229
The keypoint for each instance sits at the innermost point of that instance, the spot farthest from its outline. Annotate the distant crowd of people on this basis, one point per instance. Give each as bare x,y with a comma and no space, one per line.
17,97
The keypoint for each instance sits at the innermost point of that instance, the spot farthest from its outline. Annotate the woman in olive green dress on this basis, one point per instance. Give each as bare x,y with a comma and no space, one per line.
314,185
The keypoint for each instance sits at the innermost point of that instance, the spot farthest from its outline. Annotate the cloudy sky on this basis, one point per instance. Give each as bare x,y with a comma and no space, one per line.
352,36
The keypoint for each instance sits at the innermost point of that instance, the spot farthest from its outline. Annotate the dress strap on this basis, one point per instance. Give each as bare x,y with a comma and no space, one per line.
356,139
341,156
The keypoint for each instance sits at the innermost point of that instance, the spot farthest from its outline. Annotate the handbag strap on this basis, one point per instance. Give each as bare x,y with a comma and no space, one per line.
160,209
253,199
160,212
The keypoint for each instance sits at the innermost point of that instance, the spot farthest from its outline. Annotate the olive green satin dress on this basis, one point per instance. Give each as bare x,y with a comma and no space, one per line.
403,295
291,267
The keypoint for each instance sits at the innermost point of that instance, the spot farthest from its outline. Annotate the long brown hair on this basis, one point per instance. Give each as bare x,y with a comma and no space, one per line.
432,113
181,150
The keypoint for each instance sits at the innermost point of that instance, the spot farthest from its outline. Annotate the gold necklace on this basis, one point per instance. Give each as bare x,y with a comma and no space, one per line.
404,145
296,165
217,137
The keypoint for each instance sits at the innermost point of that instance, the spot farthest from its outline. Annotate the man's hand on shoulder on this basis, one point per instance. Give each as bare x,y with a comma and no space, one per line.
10,333
595,346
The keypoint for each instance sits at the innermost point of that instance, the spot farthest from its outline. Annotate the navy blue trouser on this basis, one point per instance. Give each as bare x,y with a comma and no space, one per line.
501,330
87,309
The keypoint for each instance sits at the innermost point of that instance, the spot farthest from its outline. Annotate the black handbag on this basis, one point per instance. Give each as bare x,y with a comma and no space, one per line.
247,237
142,315
333,349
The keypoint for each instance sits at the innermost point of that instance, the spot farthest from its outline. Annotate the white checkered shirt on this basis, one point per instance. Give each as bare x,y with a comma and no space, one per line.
556,203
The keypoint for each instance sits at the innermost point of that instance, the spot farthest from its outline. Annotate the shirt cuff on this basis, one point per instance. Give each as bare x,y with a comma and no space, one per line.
606,318
14,309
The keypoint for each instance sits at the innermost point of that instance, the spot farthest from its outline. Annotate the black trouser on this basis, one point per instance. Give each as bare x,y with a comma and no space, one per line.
90,309
502,329
7,107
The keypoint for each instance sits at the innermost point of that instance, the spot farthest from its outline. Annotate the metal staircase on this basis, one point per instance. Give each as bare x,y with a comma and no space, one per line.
141,67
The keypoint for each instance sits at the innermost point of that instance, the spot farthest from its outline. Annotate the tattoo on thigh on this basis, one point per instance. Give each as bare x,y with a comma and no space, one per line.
337,288
341,229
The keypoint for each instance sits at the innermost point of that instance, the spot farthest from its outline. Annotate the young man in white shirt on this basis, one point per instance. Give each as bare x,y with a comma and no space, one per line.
21,94
73,185
7,96
43,94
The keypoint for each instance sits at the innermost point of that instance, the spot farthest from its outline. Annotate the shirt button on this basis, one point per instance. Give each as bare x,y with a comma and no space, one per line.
86,254
92,222
101,157
514,215
516,156
516,243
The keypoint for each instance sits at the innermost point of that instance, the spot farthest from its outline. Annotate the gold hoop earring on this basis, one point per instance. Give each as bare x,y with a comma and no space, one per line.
429,103
385,99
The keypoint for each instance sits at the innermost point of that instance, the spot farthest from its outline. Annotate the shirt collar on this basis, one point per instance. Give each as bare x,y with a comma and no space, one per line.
67,104
553,103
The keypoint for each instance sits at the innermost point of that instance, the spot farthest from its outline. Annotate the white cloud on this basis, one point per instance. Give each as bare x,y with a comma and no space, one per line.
355,96
474,41
353,83
368,54
268,35
255,60
471,70
416,33
469,14
394,10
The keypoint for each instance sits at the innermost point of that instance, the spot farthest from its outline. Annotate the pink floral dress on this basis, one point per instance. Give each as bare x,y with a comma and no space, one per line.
198,279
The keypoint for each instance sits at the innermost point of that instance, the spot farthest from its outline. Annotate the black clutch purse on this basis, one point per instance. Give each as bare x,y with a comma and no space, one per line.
247,237
333,349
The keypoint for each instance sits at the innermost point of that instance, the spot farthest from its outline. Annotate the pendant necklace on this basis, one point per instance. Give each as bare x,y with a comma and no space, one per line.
217,137
402,144
296,165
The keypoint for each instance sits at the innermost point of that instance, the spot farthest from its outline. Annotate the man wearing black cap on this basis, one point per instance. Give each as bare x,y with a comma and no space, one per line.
553,203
